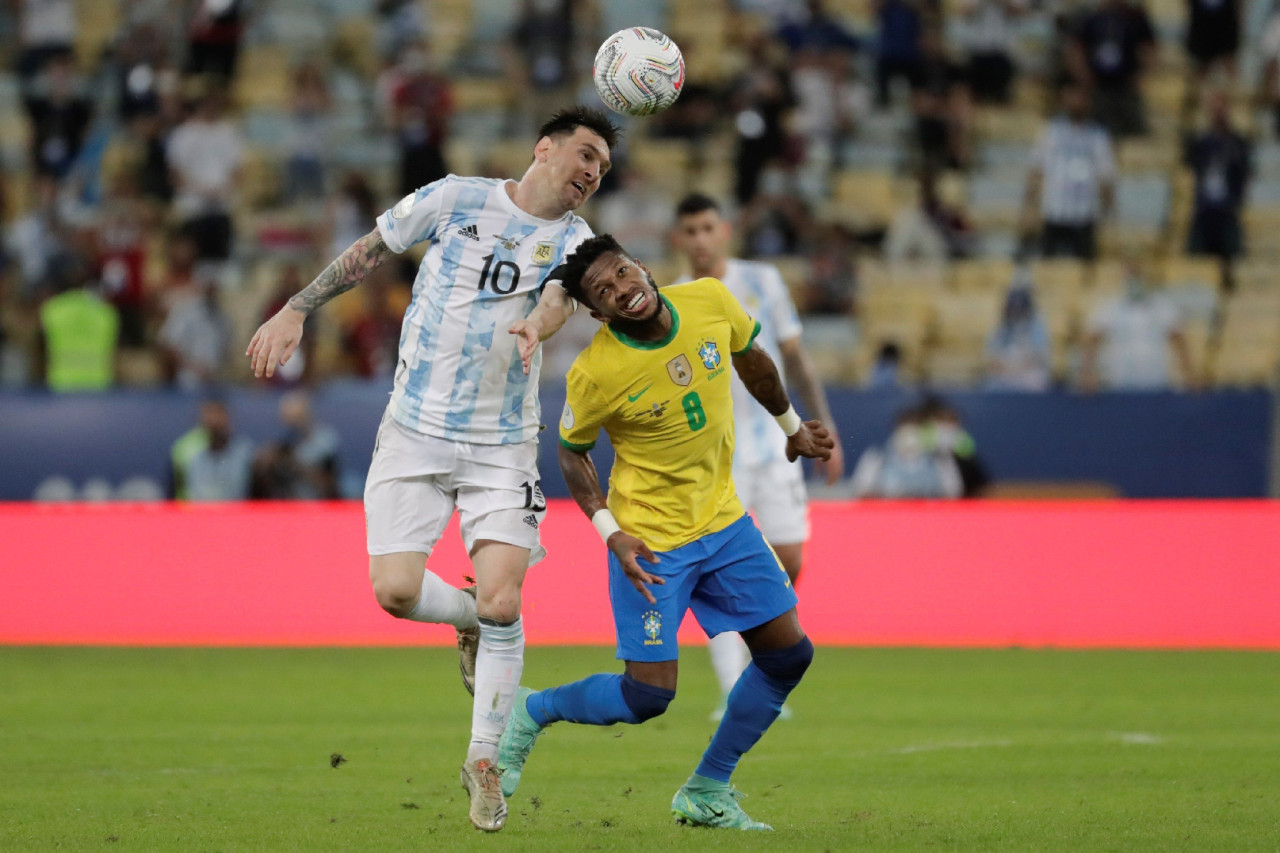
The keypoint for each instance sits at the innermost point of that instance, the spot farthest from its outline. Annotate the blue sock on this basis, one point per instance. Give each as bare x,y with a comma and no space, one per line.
754,703
596,700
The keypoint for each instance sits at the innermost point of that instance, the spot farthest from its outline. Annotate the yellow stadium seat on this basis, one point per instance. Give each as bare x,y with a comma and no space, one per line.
979,276
1245,363
962,320
918,276
1058,275
953,367
862,199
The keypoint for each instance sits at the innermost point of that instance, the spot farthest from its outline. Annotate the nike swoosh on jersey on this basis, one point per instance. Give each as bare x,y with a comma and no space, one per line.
631,398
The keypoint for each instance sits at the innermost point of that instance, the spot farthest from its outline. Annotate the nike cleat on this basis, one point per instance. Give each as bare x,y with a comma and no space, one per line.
517,742
488,807
715,808
468,649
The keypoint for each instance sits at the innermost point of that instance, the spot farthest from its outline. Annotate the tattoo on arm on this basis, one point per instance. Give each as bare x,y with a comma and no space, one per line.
347,270
801,371
760,375
581,478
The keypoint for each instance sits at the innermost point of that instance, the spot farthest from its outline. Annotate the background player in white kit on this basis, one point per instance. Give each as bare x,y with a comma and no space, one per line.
771,487
461,429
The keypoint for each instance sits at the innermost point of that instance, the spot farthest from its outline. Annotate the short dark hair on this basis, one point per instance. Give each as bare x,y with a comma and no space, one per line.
575,266
696,203
566,121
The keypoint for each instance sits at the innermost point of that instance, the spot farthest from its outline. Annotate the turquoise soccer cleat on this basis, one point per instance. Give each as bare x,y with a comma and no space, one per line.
517,742
716,807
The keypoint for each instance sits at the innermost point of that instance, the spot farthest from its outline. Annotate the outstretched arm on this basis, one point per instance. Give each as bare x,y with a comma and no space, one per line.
553,310
760,375
584,484
804,377
276,339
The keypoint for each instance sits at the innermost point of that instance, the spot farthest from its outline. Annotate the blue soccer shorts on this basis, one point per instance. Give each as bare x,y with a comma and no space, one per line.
731,579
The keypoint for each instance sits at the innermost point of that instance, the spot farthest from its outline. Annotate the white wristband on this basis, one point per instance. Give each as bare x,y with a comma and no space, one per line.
789,421
605,524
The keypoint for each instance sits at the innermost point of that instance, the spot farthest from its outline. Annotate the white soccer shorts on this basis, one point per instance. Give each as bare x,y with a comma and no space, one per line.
415,481
774,493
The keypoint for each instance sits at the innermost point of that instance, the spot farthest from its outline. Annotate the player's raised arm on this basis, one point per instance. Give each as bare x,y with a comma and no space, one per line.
276,339
760,375
584,484
553,310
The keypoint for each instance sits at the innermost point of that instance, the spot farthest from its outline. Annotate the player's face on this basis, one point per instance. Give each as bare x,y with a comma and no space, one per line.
704,238
618,288
574,165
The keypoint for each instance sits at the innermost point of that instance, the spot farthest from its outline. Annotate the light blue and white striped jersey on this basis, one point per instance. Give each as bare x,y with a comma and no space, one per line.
459,374
760,289
1075,160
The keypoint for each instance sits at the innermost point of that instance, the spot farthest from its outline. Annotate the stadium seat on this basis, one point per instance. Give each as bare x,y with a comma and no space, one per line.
964,320
1245,363
953,367
1058,275
989,275
862,199
996,201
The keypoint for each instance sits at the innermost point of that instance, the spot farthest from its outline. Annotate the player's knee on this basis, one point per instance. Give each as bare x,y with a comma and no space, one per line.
786,665
499,605
645,700
396,593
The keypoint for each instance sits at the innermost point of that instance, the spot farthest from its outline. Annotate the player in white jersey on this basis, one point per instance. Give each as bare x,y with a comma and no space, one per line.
461,429
771,487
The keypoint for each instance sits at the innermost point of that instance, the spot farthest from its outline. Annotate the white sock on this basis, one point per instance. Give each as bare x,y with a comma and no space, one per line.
498,668
729,657
443,603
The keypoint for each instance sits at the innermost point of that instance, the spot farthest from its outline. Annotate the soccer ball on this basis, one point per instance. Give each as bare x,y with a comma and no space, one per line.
638,71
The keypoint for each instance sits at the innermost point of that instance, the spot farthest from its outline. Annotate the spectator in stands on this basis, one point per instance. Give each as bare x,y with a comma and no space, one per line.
205,154
1213,35
46,31
1019,356
944,434
195,338
1269,48
759,99
830,104
931,230
776,221
941,102
1129,338
60,115
216,464
142,72
416,104
905,467
886,370
542,43
179,282
816,29
900,25
1113,49
637,216
350,211
831,283
371,339
78,335
307,142
400,24
123,224
1071,186
41,243
989,41
1220,158
213,38
303,463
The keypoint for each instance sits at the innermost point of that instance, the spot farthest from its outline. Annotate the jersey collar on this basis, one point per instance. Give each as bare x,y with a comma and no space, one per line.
659,344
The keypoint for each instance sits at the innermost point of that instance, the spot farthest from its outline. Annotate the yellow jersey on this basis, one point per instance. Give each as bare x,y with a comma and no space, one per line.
667,407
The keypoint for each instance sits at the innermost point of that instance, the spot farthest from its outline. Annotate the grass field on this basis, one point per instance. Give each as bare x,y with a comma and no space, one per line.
230,749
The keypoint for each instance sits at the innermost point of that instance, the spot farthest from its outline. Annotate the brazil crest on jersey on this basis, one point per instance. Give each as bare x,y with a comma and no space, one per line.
667,407
459,374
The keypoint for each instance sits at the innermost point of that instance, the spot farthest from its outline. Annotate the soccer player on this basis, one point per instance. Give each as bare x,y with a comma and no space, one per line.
461,429
770,486
656,378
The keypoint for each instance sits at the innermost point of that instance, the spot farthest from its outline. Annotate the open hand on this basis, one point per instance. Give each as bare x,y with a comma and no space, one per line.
812,441
627,549
528,334
275,341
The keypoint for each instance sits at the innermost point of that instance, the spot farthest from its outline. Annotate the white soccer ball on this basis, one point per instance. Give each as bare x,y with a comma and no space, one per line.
638,71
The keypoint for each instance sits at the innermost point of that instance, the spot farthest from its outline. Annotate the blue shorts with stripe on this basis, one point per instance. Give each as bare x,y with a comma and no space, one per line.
731,579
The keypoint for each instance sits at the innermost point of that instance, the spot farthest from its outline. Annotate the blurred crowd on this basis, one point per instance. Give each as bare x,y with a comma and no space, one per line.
1007,194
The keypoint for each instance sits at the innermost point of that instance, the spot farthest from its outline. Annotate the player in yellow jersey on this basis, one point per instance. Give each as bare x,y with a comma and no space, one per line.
656,378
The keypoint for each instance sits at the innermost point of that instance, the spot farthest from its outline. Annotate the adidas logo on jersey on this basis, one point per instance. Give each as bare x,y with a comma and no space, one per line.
532,521
470,232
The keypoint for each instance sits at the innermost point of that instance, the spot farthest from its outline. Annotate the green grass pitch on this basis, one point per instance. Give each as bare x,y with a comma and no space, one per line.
890,749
